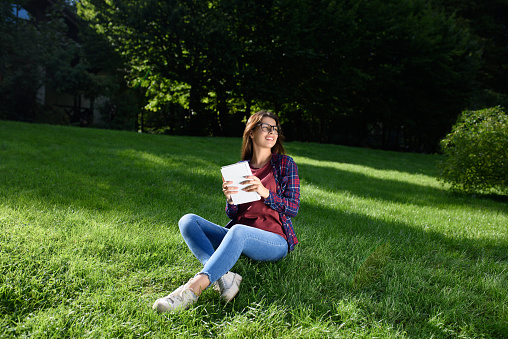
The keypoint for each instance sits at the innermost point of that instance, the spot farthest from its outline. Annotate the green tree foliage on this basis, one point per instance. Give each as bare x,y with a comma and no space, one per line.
168,41
420,63
332,69
42,52
487,20
118,104
35,55
19,78
476,152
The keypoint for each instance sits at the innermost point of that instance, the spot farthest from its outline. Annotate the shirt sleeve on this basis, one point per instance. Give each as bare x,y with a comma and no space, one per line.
288,200
231,211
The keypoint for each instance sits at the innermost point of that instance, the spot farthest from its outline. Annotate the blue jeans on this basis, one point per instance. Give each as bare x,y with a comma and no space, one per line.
219,248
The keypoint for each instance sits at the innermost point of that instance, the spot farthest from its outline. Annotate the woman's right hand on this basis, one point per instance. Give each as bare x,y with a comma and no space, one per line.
228,190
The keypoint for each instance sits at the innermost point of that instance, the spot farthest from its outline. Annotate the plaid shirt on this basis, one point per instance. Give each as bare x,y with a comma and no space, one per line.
287,199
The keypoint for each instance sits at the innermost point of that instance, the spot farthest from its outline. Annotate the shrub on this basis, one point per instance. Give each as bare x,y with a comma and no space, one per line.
476,152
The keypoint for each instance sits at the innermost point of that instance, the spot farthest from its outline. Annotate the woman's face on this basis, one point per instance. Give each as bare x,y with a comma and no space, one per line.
263,136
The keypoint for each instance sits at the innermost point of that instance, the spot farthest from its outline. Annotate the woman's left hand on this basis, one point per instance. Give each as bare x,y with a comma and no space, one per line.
255,185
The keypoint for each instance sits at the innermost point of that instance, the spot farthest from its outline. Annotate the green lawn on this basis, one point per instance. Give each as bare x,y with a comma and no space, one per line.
89,239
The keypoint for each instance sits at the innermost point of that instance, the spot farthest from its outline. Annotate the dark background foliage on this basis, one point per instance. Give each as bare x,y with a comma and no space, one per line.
388,74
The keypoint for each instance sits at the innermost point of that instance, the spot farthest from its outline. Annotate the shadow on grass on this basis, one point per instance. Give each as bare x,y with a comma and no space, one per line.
396,191
111,196
426,283
411,163
125,181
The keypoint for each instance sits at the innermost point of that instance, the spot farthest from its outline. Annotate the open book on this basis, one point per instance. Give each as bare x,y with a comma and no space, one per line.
237,173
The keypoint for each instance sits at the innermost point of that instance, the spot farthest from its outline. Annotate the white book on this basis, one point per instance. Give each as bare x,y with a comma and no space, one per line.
237,173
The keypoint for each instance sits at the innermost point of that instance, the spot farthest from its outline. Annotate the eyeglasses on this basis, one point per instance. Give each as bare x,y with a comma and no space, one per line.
269,128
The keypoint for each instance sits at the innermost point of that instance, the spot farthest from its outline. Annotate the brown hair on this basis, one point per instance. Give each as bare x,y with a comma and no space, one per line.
252,123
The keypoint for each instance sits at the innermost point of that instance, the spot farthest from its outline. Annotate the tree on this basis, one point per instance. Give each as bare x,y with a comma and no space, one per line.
487,20
331,69
419,67
169,40
118,104
36,54
19,75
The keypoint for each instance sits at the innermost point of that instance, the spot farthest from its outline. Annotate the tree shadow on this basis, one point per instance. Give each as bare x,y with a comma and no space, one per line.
412,286
125,179
411,163
333,180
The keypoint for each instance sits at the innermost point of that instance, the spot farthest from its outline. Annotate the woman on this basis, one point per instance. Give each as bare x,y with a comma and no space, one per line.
261,230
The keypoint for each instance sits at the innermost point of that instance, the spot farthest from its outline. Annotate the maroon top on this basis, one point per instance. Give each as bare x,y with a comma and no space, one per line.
257,213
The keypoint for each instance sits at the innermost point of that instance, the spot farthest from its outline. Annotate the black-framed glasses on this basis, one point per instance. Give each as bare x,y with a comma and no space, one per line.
269,128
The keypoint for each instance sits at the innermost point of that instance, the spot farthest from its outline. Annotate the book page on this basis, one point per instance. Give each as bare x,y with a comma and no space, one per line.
237,173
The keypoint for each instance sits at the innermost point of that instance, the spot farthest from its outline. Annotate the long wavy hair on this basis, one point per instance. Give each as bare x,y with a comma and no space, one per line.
252,124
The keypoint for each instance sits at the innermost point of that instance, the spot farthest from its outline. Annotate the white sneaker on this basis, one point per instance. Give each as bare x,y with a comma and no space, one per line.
228,285
179,299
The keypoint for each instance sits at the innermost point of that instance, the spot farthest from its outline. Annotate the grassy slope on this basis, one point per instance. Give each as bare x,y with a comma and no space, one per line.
90,239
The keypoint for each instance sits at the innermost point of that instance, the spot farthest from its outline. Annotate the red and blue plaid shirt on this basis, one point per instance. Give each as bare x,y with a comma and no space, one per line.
287,199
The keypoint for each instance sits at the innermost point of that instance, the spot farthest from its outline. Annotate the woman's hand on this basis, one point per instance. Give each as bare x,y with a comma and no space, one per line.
255,185
228,190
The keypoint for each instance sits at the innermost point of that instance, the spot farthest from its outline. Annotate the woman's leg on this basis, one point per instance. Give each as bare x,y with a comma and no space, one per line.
254,243
219,249
201,236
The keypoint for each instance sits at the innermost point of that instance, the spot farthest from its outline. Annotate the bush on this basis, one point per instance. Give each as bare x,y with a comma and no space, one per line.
476,152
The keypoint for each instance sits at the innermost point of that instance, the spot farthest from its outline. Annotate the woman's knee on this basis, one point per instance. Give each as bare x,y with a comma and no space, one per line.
238,230
239,233
187,221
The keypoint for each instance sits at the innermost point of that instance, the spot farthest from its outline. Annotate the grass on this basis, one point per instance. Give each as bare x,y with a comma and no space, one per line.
90,239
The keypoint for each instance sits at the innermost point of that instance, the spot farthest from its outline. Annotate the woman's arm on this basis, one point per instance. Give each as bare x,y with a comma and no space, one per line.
289,202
